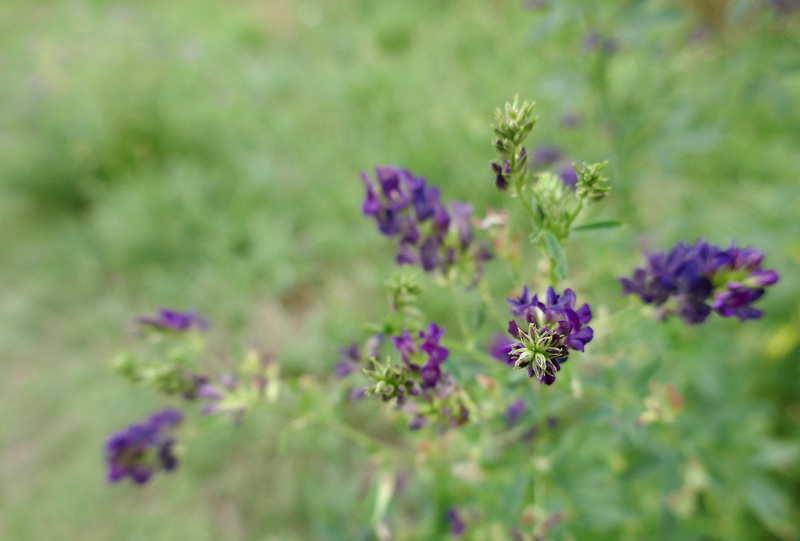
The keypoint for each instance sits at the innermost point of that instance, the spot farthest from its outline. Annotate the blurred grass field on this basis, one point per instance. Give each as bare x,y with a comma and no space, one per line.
206,154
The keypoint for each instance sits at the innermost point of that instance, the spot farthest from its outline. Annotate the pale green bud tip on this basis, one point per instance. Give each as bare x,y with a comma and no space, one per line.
592,185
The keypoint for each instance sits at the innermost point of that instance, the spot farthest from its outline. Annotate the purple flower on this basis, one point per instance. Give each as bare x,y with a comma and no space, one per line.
357,393
594,41
409,209
430,344
420,372
545,156
430,371
571,120
405,344
500,348
691,281
417,422
515,411
429,253
143,449
430,374
461,214
568,175
552,327
352,357
457,525
502,174
174,320
349,361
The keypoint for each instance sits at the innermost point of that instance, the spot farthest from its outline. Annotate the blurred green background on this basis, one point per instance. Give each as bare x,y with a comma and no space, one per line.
206,154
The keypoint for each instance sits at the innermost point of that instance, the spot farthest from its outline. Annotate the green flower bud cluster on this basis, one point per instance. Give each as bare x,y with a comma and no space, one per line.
592,185
391,382
540,351
512,127
164,376
553,204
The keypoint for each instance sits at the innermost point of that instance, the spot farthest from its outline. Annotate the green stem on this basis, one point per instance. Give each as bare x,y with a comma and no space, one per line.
553,263
362,438
519,183
463,324
575,214
540,487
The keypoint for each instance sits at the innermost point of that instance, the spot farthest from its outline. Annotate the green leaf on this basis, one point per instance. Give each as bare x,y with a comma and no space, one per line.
553,248
607,224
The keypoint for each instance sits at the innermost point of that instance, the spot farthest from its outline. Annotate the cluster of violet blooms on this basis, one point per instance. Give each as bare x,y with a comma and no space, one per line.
418,386
549,330
144,448
430,233
147,447
691,281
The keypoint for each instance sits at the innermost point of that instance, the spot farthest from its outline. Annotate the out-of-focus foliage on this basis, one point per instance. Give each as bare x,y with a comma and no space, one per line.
206,154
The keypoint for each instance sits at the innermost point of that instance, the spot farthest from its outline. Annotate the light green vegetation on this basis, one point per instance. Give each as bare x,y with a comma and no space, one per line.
206,154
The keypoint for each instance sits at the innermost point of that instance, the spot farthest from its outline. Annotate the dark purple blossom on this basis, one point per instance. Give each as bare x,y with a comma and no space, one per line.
571,120
174,320
502,174
407,208
546,155
405,344
568,175
349,361
357,393
418,384
430,357
430,344
693,280
417,422
593,41
143,449
500,348
515,411
457,524
552,328
353,357
461,214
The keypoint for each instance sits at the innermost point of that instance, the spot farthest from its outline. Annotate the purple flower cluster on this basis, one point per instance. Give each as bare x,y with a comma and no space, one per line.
174,320
144,448
406,207
694,280
427,350
502,174
551,329
418,385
